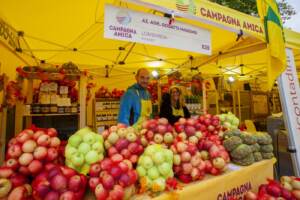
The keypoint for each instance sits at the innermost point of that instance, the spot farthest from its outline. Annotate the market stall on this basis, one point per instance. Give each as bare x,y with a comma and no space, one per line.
119,162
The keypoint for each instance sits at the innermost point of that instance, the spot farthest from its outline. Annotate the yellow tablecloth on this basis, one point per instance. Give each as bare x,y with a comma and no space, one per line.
234,183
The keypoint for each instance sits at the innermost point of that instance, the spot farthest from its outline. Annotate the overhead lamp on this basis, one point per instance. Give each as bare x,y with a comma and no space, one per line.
157,63
155,74
231,79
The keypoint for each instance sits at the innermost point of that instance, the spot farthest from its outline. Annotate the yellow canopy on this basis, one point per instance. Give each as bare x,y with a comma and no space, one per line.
62,31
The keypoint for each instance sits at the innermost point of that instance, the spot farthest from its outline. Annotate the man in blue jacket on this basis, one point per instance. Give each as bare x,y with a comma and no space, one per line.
136,103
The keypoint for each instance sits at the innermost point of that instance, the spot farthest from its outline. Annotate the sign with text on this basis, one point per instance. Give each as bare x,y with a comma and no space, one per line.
208,12
128,25
8,35
290,100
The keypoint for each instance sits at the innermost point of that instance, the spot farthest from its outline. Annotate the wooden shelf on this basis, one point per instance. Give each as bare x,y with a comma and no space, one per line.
50,114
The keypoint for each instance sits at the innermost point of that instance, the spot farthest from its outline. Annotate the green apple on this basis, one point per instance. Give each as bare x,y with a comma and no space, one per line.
100,157
77,159
165,168
85,168
122,132
98,146
74,140
176,159
158,157
107,144
149,151
84,148
171,174
83,131
193,139
131,137
235,121
168,155
160,183
198,134
168,138
89,138
146,162
141,171
91,157
113,138
70,150
98,138
153,173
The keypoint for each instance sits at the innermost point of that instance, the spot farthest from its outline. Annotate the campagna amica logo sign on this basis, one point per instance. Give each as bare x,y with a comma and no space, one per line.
123,17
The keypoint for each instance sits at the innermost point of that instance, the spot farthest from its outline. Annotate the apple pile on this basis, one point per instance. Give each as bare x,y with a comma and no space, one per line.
155,167
188,164
8,192
59,182
214,154
157,131
203,126
229,121
31,149
118,139
288,189
84,148
113,178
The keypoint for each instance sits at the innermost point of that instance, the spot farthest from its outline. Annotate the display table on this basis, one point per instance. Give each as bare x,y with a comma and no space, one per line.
231,185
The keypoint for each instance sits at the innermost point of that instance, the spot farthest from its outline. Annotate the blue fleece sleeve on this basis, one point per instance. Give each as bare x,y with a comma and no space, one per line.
125,107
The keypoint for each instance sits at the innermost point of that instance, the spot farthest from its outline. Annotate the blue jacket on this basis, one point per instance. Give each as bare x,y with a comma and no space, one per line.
130,106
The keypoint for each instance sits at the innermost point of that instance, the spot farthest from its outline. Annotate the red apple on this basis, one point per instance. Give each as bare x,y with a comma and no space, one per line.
100,192
108,182
58,183
134,158
25,159
17,180
74,183
67,172
112,151
187,168
116,172
12,142
95,169
106,164
35,166
133,176
52,195
18,193
121,144
44,140
52,132
24,170
117,193
185,156
116,158
54,142
37,134
123,166
126,153
5,172
93,182
14,151
12,163
22,137
68,195
52,154
40,153
149,135
49,166
133,147
29,146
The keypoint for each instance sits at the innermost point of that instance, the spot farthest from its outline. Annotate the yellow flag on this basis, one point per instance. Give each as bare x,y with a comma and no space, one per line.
269,13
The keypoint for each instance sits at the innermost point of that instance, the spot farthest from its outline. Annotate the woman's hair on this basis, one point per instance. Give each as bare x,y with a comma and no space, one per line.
180,102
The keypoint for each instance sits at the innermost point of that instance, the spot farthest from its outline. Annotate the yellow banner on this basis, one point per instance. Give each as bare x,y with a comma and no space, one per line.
231,185
211,12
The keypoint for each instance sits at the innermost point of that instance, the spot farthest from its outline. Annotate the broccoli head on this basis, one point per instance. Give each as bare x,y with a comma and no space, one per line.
232,142
248,138
248,160
268,148
267,155
257,156
241,151
255,147
263,138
